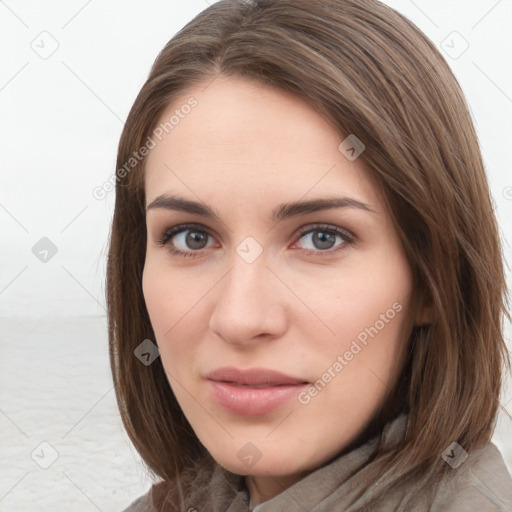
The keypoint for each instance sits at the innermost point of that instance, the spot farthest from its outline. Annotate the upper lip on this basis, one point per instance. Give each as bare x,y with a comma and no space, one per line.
253,376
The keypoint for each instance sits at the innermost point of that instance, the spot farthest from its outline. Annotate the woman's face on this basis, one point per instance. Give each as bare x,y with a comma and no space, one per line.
280,325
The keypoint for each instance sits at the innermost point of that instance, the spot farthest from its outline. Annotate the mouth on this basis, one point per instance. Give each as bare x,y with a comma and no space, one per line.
255,377
253,392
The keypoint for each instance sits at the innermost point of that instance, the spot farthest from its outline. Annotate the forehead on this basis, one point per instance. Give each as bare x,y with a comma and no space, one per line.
246,140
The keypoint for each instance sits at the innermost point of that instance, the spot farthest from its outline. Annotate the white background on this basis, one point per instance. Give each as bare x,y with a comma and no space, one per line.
61,118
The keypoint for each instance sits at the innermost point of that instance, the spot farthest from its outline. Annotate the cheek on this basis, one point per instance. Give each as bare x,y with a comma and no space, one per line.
156,296
169,296
367,313
363,302
164,308
174,306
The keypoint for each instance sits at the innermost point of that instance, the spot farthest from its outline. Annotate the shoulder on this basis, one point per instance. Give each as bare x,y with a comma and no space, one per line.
141,504
481,482
162,497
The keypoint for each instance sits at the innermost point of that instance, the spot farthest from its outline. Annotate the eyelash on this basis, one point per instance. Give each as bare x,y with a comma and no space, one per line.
347,237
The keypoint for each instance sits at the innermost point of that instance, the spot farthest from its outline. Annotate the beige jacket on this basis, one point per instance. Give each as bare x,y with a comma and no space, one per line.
481,483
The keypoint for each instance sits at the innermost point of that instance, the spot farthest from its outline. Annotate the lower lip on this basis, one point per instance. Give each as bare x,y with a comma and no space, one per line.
253,401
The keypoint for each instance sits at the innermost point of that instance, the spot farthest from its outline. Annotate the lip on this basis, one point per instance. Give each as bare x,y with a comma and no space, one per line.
254,391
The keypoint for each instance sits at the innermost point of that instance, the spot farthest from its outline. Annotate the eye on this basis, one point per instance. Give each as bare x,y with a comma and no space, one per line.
193,238
190,236
323,238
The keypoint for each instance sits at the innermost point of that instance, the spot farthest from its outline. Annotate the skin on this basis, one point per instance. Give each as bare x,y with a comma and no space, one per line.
244,149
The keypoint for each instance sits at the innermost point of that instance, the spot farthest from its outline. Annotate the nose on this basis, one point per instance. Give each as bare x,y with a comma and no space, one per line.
249,305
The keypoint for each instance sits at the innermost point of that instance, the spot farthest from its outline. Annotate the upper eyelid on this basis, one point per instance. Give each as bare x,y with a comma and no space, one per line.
328,227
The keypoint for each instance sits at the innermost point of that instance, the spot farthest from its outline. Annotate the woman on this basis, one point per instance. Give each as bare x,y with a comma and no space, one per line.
305,281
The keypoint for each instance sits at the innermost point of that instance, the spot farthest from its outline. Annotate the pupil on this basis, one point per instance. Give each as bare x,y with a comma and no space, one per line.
325,240
194,240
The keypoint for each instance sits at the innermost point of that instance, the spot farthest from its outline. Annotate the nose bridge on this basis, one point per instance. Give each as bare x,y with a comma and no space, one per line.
248,272
245,285
246,302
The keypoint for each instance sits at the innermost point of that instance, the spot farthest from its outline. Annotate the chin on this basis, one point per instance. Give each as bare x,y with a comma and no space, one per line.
258,459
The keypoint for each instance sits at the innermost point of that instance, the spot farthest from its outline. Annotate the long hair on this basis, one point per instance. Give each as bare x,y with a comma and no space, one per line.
374,74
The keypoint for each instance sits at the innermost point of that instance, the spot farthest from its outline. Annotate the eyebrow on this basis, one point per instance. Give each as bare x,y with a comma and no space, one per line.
283,211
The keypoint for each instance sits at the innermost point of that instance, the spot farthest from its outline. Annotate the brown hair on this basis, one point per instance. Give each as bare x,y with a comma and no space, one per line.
374,74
